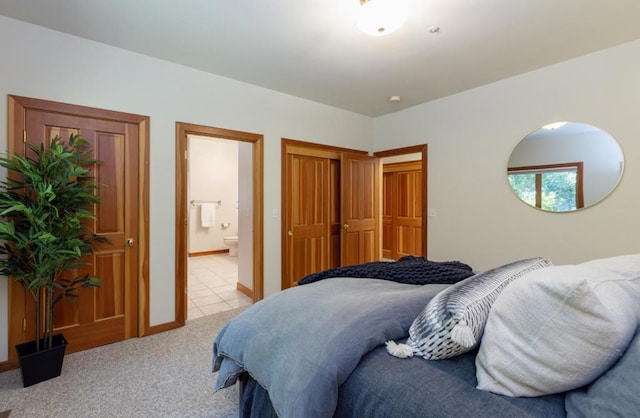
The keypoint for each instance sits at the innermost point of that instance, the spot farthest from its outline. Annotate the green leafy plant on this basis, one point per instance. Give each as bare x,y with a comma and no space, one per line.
45,205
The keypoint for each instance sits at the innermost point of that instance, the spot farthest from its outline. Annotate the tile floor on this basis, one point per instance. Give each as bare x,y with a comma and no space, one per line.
211,285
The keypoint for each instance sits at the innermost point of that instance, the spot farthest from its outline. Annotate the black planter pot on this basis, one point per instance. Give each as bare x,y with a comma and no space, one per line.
38,366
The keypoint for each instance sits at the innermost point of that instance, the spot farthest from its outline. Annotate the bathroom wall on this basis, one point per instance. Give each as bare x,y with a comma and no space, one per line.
213,175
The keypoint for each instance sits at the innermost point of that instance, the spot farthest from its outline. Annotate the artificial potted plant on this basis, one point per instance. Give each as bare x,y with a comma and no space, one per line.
45,204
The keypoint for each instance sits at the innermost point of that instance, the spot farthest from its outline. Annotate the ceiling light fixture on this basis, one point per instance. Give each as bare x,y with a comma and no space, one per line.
555,125
381,17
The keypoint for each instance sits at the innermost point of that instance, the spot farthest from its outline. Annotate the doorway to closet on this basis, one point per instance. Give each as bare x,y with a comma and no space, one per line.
404,203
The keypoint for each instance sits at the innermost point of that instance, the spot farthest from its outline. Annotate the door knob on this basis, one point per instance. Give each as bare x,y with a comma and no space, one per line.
130,242
290,233
345,226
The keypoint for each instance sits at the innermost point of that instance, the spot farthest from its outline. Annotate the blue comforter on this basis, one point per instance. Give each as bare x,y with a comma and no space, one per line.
301,344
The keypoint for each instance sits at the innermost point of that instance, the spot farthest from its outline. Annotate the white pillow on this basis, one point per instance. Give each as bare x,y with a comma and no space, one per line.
453,321
560,328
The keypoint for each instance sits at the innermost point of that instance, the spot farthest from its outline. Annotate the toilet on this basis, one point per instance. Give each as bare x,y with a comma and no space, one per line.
232,243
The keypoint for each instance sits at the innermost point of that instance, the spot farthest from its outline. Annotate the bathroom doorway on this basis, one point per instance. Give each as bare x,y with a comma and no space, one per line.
218,227
219,212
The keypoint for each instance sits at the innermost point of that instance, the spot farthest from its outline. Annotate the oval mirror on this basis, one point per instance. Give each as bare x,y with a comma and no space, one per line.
565,166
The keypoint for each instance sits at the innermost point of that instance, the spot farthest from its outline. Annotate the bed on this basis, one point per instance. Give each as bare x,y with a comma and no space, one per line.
318,350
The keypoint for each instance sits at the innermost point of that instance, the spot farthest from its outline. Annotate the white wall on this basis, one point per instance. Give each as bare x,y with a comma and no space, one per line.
213,176
41,63
471,135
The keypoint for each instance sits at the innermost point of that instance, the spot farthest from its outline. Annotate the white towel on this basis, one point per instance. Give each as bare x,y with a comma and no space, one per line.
207,215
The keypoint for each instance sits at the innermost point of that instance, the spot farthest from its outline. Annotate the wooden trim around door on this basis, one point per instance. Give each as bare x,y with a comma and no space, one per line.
422,149
182,130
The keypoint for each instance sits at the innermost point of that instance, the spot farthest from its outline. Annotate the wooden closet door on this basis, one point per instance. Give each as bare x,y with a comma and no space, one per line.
408,216
361,208
323,189
402,209
388,213
308,221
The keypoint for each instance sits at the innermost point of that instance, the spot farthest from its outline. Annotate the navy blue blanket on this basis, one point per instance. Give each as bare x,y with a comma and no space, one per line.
408,270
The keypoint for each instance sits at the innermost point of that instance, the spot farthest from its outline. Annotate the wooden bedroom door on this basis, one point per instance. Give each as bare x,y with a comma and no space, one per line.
361,209
108,313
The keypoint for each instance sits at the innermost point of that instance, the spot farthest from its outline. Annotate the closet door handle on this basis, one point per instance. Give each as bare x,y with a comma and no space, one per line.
130,242
345,226
290,233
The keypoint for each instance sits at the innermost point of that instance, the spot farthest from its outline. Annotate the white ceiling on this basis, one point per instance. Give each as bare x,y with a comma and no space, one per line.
312,49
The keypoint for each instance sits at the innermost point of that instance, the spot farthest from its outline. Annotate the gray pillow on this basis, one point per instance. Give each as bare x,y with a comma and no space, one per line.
615,393
453,321
560,328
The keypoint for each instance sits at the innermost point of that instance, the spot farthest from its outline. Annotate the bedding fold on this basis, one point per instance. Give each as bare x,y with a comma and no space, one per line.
301,344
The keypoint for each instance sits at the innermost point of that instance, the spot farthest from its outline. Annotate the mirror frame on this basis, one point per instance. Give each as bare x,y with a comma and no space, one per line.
598,167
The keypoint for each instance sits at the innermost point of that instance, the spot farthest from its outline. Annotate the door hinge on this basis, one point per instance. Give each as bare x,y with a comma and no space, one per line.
185,154
24,324
24,136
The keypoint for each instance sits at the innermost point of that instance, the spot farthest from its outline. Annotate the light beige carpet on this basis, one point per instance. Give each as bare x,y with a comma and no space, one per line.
164,375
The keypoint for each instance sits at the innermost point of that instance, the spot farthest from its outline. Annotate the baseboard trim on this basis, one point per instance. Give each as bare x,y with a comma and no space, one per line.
213,252
156,329
244,289
5,366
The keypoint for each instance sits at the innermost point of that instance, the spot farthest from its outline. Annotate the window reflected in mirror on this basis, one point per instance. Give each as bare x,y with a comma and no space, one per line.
565,166
553,187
